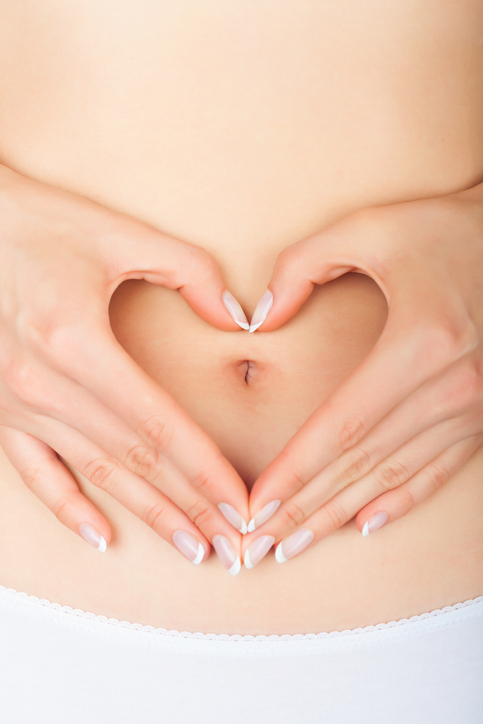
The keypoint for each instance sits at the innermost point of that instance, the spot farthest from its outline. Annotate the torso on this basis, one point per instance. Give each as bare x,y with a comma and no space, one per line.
243,128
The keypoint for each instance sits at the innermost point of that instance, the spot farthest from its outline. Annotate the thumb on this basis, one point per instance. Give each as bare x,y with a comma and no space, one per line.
326,255
161,259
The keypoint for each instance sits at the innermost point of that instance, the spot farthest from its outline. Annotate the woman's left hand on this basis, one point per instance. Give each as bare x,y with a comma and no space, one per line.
411,414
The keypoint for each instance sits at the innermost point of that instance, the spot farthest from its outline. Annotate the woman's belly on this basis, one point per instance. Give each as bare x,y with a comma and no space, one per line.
431,558
243,137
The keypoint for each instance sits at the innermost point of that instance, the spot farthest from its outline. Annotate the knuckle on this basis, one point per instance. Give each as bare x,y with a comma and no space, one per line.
102,472
25,383
354,464
30,329
157,432
32,477
444,342
59,509
204,480
200,513
405,501
203,267
461,388
203,483
143,461
153,515
436,475
292,515
62,344
350,431
336,515
289,260
470,381
297,477
50,338
447,340
391,474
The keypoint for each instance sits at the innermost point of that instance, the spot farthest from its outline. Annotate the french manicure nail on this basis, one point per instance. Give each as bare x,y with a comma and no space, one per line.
233,517
292,545
374,523
235,309
226,554
258,549
188,546
90,534
263,515
261,310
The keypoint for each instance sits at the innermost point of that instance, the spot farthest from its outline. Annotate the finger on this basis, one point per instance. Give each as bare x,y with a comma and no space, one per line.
445,397
392,371
47,477
415,344
394,504
342,247
417,488
162,259
333,509
166,428
343,508
153,504
155,426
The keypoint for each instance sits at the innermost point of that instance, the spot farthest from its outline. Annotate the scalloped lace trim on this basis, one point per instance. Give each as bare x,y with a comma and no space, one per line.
236,637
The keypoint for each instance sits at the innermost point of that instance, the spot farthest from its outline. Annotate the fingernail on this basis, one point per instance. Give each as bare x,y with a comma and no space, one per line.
292,545
374,523
90,534
233,517
189,546
226,554
263,515
261,310
258,549
235,309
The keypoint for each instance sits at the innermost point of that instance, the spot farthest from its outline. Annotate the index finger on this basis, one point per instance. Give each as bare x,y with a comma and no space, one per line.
106,370
397,365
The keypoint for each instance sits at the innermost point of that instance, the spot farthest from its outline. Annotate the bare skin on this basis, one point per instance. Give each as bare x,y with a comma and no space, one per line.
244,137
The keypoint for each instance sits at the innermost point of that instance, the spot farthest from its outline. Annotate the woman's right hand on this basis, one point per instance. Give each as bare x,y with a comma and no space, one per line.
69,390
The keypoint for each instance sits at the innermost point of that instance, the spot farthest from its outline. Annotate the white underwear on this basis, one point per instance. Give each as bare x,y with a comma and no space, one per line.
60,665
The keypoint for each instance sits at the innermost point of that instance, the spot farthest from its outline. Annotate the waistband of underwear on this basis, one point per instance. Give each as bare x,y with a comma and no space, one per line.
19,597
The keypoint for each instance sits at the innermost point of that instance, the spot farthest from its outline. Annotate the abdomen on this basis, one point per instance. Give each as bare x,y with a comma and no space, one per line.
242,136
